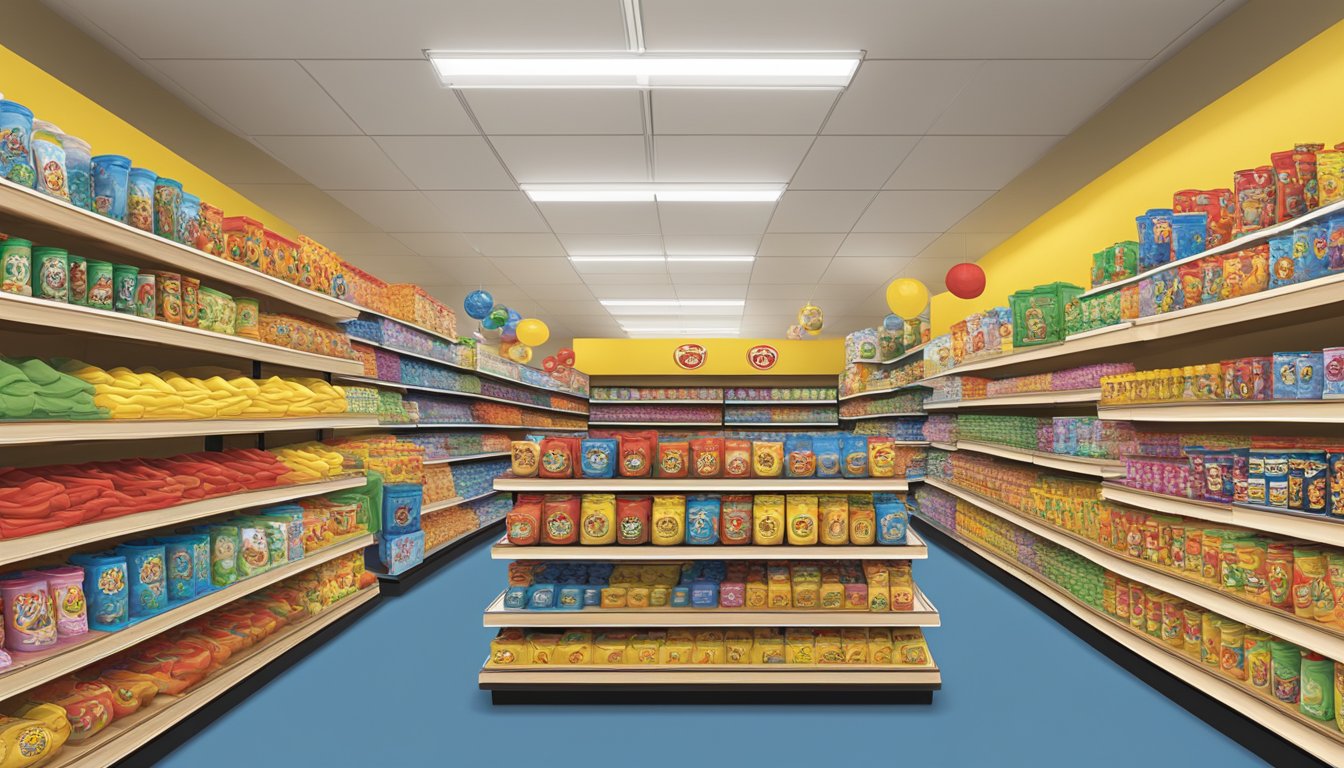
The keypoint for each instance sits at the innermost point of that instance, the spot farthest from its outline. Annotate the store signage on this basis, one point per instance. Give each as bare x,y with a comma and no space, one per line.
762,357
689,356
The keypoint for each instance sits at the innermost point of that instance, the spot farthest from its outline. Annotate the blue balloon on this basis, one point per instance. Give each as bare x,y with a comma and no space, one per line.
512,322
496,318
508,333
478,304
892,323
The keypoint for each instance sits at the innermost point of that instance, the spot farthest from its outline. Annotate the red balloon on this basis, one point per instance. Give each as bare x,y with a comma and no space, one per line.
548,364
965,281
565,356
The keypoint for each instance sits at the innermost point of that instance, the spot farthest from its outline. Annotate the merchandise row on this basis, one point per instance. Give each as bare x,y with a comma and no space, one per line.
1305,375
878,406
970,388
888,342
713,395
388,367
447,525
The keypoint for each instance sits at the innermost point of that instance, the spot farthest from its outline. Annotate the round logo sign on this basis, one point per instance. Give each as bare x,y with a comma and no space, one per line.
689,356
762,357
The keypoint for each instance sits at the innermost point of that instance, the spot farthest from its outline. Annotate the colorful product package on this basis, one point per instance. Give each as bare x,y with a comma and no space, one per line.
1283,266
597,519
833,514
1154,238
892,518
1254,195
800,461
881,457
735,519
1332,370
560,519
633,518
1334,460
767,458
768,519
557,458
1334,248
802,519
1309,367
525,458
736,458
1188,233
707,456
702,519
598,457
636,456
855,456
862,519
1189,285
827,449
668,527
674,458
523,522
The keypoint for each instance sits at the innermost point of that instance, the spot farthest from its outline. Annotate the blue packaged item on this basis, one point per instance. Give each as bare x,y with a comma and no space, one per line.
541,597
854,457
1282,264
1334,247
140,198
401,508
1317,258
681,597
1188,232
800,460
292,514
188,219
200,560
1315,483
106,588
892,519
110,177
147,577
402,552
704,594
702,519
1154,238
1167,293
16,144
515,598
569,598
597,457
1310,368
592,596
79,172
180,555
1284,386
1276,479
827,452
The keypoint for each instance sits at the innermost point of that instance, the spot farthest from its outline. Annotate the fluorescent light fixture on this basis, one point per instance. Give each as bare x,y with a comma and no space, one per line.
648,193
660,259
616,259
696,303
796,71
717,259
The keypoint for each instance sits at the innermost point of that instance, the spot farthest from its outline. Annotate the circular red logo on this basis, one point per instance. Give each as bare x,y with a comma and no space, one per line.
689,356
762,357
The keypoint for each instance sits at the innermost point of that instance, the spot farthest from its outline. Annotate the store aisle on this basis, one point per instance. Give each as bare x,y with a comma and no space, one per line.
426,709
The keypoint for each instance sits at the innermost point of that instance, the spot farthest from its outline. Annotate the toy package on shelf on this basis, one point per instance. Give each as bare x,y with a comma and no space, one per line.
780,413
899,403
640,394
653,411
390,333
885,343
941,428
905,429
771,394
857,378
878,586
1086,436
1305,375
454,522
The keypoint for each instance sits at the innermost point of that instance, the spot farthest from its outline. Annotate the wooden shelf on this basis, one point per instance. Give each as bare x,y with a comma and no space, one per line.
747,426
1079,464
28,547
71,318
919,414
1286,522
455,393
1317,739
701,485
913,549
923,615
30,432
1222,411
1309,634
42,667
475,425
124,736
32,215
725,677
1061,397
468,457
943,446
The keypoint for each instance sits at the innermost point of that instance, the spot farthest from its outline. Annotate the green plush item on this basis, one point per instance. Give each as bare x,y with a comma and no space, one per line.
38,371
10,374
17,406
20,388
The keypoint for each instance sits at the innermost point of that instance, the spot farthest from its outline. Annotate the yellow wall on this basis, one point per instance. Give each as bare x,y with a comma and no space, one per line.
77,115
724,357
1295,100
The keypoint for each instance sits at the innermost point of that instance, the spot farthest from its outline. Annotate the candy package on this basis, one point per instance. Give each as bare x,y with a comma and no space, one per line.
636,456
800,460
525,459
707,456
737,458
827,452
881,457
557,457
560,519
767,458
802,518
735,519
855,456
668,526
598,459
633,519
702,519
674,458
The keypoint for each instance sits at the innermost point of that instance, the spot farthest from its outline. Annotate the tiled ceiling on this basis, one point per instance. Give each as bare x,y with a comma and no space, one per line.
953,100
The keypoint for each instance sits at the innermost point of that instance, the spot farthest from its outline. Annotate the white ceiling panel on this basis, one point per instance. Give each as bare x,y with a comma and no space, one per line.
740,112
711,245
787,270
653,270
968,162
261,97
601,218
773,308
392,97
574,159
506,245
436,244
548,112
710,290
851,162
432,271
857,270
395,211
844,293
899,97
918,211
1034,97
446,162
709,273
893,245
306,207
337,162
728,158
813,245
612,245
632,287
801,212
584,306
362,243
486,212
527,271
714,218
932,272
796,291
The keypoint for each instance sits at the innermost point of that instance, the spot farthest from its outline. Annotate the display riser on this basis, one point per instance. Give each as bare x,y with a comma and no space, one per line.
396,586
1270,747
754,696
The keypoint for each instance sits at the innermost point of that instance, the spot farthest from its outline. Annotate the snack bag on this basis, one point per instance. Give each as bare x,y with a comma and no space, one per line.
737,646
909,648
735,519
827,453
709,647
557,458
855,456
509,647
892,518
674,458
526,458
523,522
636,456
881,457
802,519
833,511
768,519
800,461
597,521
767,458
702,519
1283,262
560,519
707,456
633,519
668,520
737,458
598,457
862,519
767,647
829,647
799,646
879,645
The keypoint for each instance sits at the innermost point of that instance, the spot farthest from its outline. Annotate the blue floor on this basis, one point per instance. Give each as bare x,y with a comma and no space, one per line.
400,687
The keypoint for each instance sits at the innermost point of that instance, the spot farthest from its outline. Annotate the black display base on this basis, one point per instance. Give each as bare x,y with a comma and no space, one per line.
744,696
396,586
192,724
1269,746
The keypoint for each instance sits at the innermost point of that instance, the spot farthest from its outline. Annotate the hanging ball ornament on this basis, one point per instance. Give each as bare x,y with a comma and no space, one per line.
513,320
965,281
811,319
795,332
508,333
548,364
907,297
533,332
478,304
496,318
520,353
892,323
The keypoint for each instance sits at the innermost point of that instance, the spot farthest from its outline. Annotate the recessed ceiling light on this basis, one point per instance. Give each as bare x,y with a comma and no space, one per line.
650,259
721,259
616,259
796,71
673,303
663,193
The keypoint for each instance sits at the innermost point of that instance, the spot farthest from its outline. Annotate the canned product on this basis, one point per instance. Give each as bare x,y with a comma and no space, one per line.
16,259
124,280
51,273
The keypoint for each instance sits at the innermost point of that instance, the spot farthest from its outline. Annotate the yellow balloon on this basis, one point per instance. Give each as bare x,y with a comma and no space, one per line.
907,297
532,332
520,353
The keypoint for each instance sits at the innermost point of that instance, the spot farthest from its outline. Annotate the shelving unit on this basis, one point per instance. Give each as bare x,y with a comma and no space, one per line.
473,425
1061,397
1079,464
1225,411
456,393
866,416
467,457
913,549
700,485
464,368
762,678
1286,522
781,402
655,423
31,432
882,391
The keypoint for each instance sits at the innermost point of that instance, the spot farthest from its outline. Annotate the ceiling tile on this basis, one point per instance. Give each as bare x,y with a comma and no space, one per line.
899,97
932,272
361,243
819,211
811,246
552,112
601,218
786,270
796,291
1037,97
631,287
845,293
918,211
486,212
897,245
859,270
260,97
570,308
777,308
710,291
526,271
714,218
728,158
447,162
304,206
392,97
612,245
711,245
653,270
395,211
962,247
569,293
436,244
337,162
709,273
968,162
511,244
434,271
851,162
740,112
573,159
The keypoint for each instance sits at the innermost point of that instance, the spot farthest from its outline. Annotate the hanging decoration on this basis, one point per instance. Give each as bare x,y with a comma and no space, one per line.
907,297
965,281
892,323
533,332
478,304
496,318
811,319
520,353
795,332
